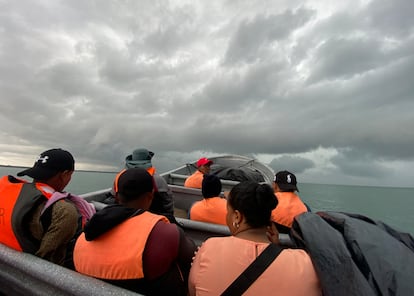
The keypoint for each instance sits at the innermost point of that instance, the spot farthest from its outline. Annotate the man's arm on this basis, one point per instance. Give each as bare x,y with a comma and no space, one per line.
62,228
163,203
167,245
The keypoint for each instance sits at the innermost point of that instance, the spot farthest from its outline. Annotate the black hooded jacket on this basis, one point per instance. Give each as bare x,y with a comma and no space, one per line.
354,255
171,282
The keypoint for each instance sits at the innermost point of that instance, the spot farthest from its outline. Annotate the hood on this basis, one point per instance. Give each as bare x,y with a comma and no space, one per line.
106,219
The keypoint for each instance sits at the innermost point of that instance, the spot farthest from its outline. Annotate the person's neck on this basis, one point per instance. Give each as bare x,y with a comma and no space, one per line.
49,184
253,234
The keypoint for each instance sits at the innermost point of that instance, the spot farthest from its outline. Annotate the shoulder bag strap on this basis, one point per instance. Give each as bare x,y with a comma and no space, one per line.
253,271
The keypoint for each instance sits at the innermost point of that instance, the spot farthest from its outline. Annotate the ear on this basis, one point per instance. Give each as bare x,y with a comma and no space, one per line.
238,217
66,174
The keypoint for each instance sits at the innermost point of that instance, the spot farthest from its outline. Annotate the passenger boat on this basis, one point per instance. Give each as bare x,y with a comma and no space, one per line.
25,274
230,168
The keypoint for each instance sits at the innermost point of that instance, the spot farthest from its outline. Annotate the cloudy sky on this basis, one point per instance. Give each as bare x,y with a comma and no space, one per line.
323,88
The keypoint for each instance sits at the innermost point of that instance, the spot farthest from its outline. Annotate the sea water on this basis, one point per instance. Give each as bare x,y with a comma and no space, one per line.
394,206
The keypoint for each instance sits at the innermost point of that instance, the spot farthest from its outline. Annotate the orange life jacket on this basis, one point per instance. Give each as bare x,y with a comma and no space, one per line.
150,170
17,199
289,205
211,210
195,180
116,254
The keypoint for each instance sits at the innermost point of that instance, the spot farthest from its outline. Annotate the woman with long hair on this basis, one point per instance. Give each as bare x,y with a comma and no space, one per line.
220,260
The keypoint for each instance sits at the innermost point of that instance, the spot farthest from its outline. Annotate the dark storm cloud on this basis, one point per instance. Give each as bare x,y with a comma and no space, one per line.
254,36
390,18
294,164
343,59
285,79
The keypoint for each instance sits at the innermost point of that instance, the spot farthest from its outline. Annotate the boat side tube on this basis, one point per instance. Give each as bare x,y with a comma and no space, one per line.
200,231
24,274
178,180
99,195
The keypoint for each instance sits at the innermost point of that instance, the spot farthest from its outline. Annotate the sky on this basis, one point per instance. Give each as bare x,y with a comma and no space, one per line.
324,89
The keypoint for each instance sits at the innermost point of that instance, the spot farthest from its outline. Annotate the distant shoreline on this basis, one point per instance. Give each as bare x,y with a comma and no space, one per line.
24,167
327,184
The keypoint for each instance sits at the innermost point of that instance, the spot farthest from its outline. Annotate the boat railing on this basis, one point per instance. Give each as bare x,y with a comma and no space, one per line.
99,195
24,274
200,231
178,179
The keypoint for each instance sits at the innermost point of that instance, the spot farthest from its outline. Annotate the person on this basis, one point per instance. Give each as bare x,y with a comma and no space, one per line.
289,203
39,218
163,202
220,260
128,246
196,179
212,208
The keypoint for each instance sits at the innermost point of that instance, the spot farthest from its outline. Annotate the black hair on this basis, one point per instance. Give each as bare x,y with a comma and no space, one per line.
255,201
211,186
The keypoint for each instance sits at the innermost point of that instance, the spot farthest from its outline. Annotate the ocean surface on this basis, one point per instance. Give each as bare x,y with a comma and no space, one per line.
394,206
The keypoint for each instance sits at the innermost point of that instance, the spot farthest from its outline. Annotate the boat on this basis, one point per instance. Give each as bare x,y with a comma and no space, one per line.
26,274
231,169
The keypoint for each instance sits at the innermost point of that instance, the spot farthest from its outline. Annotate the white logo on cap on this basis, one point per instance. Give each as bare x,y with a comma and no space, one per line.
288,179
43,159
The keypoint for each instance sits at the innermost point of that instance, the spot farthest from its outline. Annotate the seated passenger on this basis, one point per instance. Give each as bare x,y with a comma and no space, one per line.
203,167
220,260
289,204
163,203
128,246
34,222
212,208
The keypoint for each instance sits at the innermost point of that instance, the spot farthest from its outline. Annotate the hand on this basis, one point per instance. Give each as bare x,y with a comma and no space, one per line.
272,233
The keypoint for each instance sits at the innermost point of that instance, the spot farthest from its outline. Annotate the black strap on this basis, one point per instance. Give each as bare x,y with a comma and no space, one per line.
253,271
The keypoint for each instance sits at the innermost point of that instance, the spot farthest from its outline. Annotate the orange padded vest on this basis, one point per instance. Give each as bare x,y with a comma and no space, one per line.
289,205
17,199
195,180
116,254
211,210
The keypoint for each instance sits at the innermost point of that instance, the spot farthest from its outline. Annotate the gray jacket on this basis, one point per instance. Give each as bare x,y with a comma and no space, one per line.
354,255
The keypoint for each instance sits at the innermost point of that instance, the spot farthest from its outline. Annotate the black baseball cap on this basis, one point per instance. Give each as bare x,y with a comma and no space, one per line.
133,182
49,163
286,181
